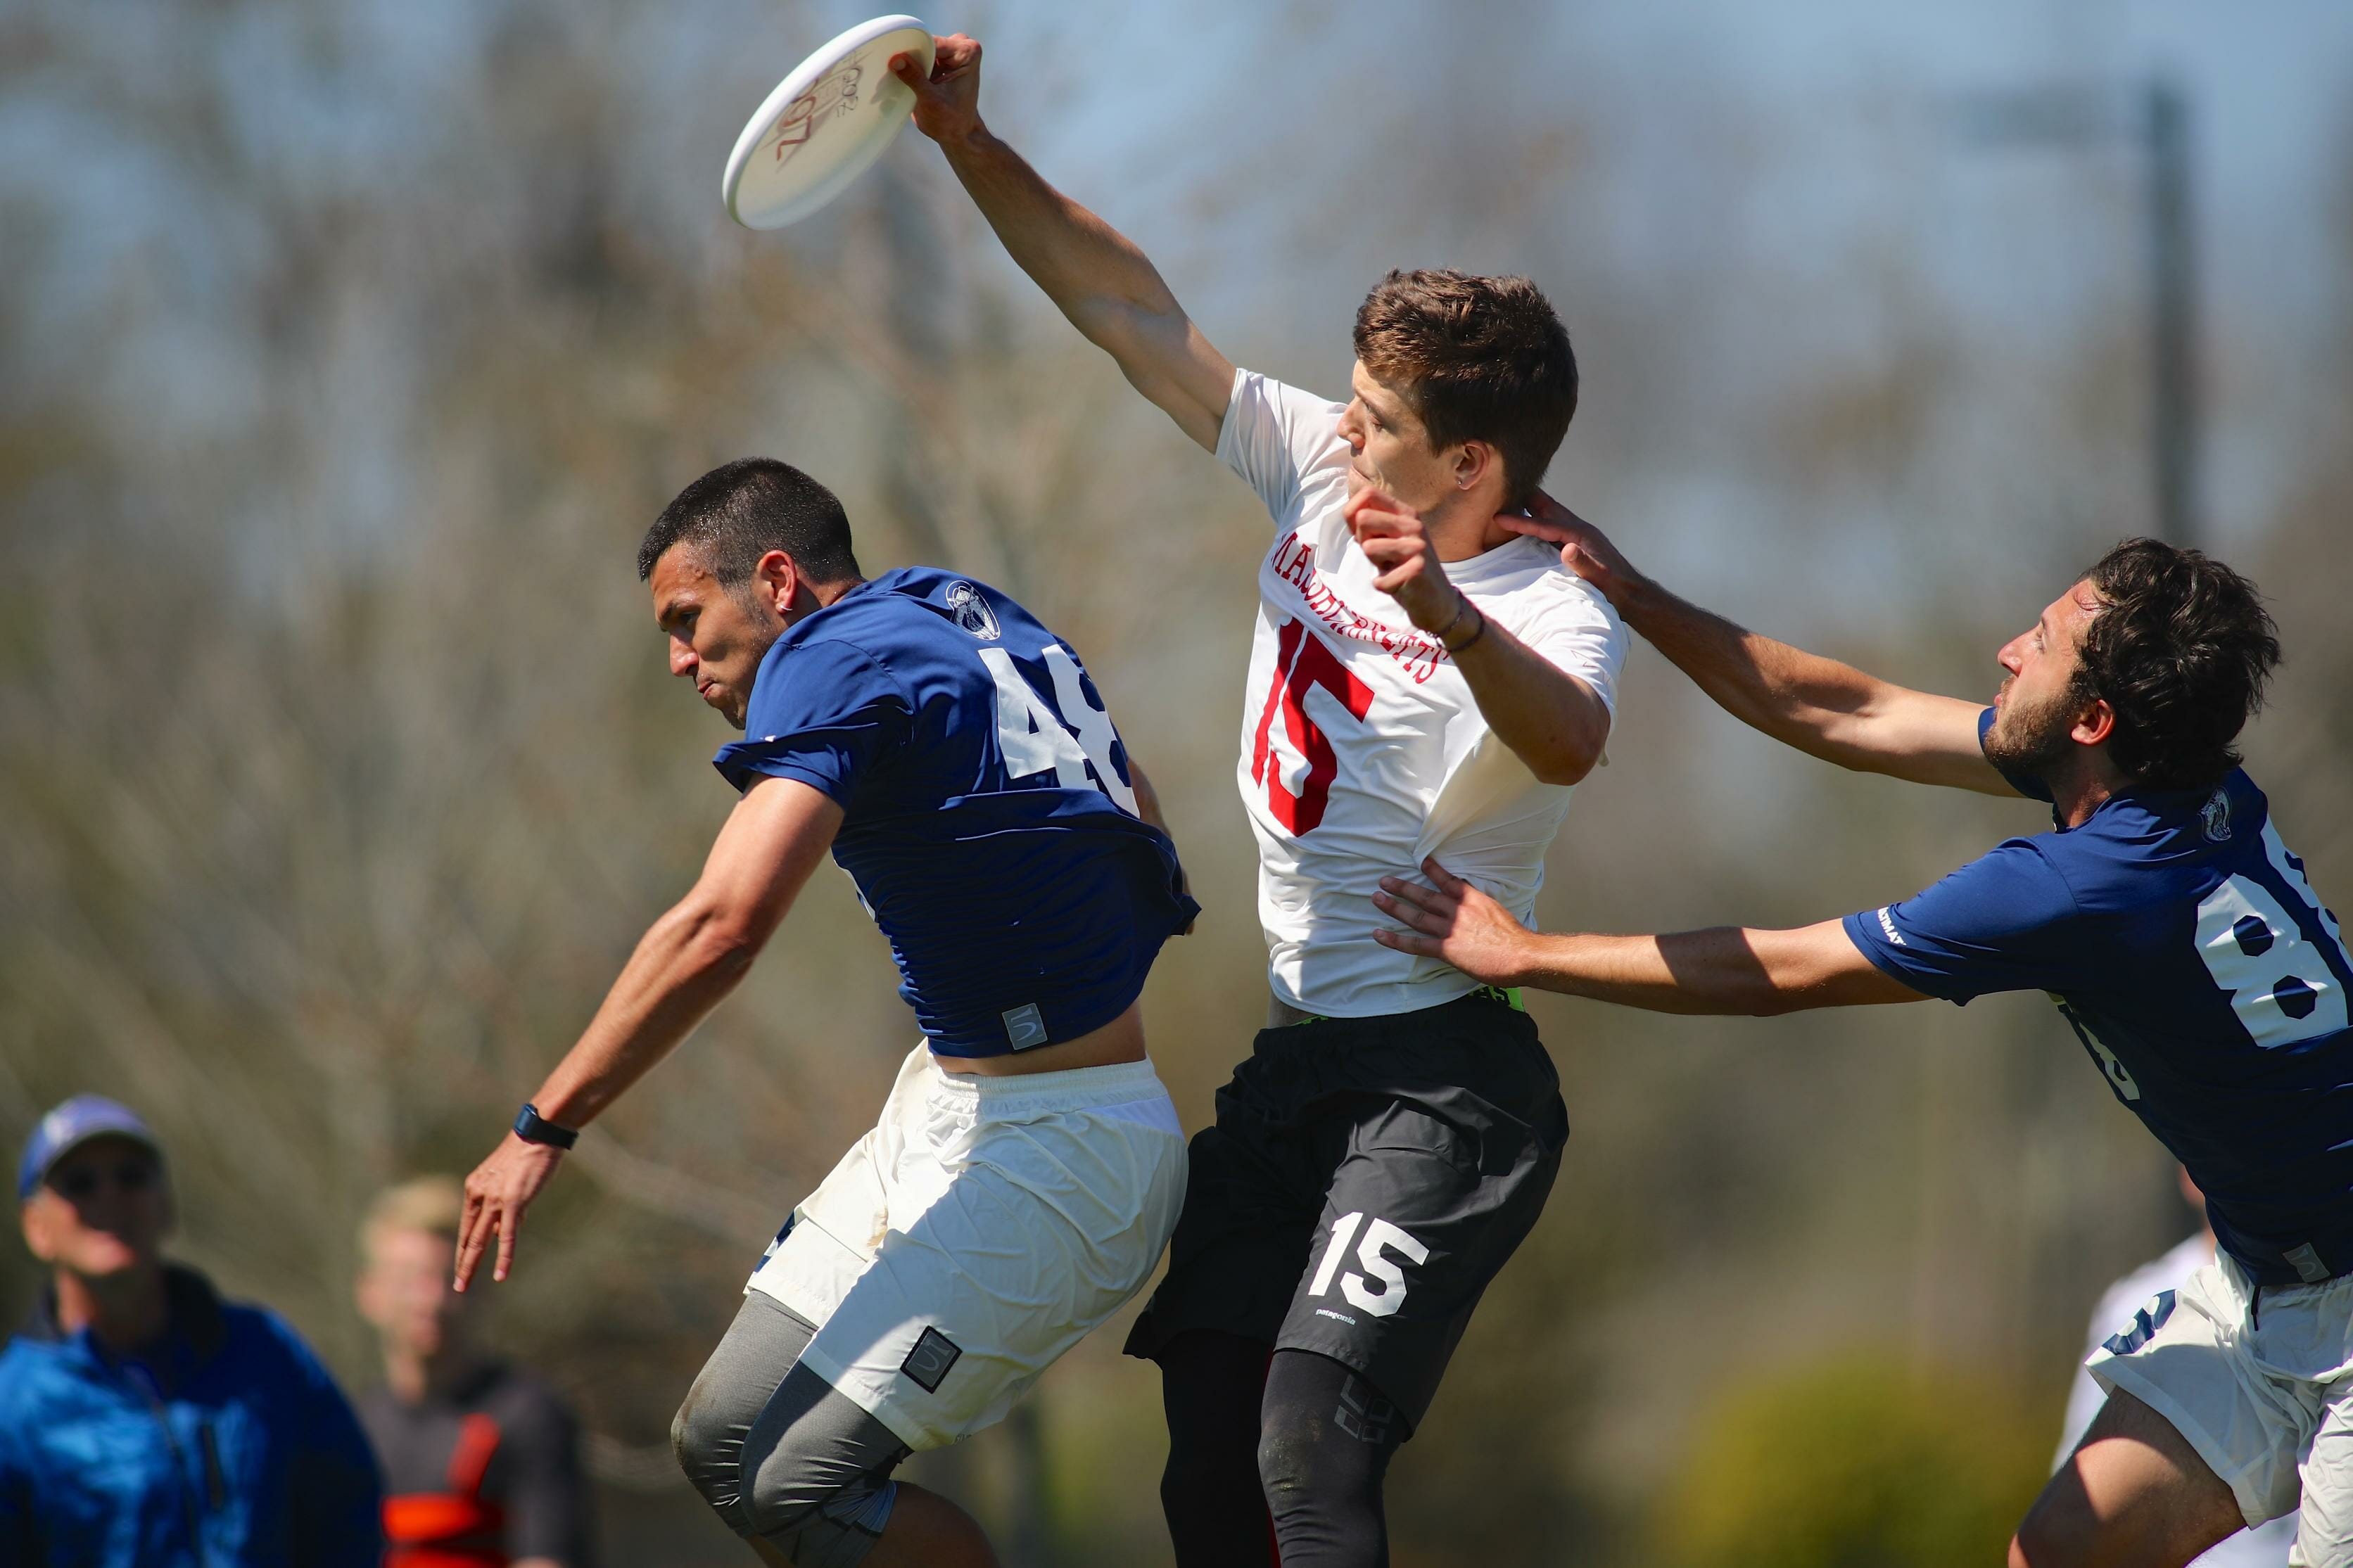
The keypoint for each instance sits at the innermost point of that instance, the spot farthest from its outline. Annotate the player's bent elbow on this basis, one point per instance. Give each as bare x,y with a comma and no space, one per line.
1573,747
720,945
1142,336
1564,762
1564,772
1773,1005
1769,995
726,952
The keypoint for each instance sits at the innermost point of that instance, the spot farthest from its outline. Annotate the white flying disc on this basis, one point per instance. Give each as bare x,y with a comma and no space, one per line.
824,124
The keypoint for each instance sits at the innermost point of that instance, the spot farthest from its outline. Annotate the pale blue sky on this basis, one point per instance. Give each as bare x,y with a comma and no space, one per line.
1760,161
1736,205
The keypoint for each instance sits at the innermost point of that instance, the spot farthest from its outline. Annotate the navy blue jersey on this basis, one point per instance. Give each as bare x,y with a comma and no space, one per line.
2179,936
988,817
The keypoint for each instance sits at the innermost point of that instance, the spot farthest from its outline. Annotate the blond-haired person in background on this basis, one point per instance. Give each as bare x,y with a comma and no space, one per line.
481,1461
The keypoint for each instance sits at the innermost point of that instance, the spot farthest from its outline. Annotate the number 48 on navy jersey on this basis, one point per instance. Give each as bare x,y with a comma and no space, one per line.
989,819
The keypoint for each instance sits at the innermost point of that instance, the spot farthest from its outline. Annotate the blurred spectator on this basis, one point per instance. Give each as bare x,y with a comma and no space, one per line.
481,1461
2264,1546
144,1420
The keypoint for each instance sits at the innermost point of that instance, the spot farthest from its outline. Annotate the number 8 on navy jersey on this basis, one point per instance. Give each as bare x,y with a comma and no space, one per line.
2181,939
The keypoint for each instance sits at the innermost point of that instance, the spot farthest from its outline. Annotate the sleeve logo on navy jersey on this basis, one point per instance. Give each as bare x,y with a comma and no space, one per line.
972,612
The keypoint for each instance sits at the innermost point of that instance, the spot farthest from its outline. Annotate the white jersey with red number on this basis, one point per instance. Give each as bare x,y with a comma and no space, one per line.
1362,749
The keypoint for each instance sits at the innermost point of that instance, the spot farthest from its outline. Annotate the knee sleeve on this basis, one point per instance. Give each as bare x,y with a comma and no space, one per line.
817,1474
710,1456
778,1452
759,1348
1325,1439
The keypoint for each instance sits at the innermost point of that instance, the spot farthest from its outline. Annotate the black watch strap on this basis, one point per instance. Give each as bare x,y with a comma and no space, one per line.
532,1127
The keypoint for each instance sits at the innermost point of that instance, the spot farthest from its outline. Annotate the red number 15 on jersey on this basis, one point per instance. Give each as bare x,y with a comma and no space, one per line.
1301,661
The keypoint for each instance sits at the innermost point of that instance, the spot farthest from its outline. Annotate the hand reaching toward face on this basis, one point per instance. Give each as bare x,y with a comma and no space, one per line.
1394,540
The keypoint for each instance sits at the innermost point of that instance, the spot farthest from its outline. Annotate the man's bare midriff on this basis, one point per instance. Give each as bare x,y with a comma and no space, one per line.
1121,1040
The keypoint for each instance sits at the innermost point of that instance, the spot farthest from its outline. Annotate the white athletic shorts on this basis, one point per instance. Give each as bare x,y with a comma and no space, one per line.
2262,1388
980,1230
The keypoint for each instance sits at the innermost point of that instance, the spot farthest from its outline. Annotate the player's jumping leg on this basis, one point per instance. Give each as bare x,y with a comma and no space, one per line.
1365,1181
1325,1441
800,1472
2135,1494
2324,1526
1212,1385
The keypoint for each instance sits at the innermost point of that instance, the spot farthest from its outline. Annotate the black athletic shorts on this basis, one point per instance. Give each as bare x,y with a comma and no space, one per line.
1365,1180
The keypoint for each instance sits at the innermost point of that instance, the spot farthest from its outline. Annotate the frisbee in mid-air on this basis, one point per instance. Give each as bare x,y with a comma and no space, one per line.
824,124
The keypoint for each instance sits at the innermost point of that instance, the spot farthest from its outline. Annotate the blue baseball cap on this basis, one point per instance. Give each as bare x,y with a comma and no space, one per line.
68,1127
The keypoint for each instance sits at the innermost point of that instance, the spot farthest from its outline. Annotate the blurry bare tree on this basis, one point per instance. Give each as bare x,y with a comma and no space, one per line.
349,349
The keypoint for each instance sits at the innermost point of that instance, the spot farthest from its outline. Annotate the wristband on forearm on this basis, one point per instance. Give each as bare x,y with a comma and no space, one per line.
1460,647
1461,608
532,1127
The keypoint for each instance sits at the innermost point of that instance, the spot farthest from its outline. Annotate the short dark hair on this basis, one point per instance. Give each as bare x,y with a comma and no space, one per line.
1481,359
2180,649
740,511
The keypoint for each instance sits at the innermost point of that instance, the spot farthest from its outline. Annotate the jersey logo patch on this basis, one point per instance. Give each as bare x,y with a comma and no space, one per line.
927,1364
2215,818
1024,1025
972,612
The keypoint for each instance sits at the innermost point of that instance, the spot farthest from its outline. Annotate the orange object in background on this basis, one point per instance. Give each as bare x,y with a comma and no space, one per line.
452,1529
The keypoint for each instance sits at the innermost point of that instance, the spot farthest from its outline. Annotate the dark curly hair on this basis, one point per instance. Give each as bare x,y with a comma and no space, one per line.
1480,359
2180,650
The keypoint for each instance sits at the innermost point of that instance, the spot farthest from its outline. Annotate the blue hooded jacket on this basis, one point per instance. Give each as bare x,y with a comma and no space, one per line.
225,1446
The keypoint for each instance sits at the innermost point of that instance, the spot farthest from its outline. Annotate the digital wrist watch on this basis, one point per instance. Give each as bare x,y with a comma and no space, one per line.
532,1127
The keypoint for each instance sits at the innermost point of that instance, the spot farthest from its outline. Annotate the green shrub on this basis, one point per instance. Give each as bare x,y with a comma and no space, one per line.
1853,1463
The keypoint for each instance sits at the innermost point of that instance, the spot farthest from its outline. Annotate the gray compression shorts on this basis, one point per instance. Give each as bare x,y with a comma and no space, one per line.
779,1452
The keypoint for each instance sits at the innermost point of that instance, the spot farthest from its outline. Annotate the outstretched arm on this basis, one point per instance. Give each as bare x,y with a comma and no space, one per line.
687,960
1726,969
1821,706
1093,274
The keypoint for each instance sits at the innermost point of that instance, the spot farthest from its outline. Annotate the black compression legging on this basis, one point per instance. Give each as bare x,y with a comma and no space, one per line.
1293,1446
